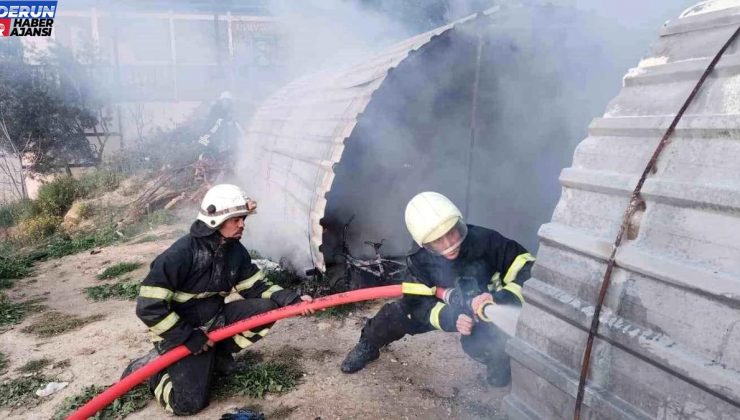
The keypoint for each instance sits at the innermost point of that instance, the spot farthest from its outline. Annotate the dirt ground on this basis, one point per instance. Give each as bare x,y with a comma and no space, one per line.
422,377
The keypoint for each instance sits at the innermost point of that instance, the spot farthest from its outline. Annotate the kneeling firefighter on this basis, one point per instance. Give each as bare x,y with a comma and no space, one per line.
450,253
183,297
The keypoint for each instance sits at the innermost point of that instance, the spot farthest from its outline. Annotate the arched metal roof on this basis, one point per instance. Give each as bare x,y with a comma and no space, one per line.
297,136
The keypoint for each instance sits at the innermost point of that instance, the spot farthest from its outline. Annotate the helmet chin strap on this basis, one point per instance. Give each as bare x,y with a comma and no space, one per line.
450,249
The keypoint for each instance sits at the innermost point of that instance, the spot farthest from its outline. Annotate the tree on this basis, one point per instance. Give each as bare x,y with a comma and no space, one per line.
46,109
81,84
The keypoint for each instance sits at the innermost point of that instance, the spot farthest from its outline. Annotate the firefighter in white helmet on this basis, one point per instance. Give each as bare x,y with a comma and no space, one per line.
446,251
183,297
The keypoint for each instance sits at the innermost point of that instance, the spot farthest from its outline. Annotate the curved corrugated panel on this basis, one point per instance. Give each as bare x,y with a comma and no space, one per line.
669,342
297,136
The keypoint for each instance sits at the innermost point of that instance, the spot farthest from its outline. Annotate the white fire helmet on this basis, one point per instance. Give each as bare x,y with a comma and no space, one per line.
435,222
222,202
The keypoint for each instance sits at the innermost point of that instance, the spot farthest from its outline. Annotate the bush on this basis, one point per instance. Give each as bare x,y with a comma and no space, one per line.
14,267
57,196
14,213
40,227
98,182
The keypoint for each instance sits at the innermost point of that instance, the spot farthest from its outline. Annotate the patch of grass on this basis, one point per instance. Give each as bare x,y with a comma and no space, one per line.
4,362
337,312
255,380
13,267
132,401
118,269
14,312
121,290
21,392
55,323
63,245
34,366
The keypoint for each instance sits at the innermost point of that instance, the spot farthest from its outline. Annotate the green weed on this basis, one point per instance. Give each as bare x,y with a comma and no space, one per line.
34,366
97,182
14,312
255,380
13,213
121,290
21,392
132,401
63,245
13,267
118,269
4,362
55,323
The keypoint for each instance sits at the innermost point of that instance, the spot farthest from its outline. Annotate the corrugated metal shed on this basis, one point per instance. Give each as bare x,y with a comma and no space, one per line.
297,137
669,341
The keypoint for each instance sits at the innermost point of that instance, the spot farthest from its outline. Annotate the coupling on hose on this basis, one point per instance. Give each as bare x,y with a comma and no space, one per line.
457,298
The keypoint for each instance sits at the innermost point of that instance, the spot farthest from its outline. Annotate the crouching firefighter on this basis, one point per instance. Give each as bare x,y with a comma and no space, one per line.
182,298
448,253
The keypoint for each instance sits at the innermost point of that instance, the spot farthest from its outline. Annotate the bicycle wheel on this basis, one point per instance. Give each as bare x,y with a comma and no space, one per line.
394,272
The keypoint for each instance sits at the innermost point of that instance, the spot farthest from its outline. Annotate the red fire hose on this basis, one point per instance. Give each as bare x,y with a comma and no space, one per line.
124,385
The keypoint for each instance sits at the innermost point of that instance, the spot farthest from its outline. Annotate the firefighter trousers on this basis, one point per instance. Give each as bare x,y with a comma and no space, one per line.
184,387
485,344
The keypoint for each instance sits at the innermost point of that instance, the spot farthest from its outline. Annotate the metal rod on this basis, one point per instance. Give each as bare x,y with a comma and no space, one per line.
629,212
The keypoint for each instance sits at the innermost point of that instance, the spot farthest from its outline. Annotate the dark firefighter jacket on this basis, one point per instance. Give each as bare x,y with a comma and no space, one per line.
217,142
187,284
500,266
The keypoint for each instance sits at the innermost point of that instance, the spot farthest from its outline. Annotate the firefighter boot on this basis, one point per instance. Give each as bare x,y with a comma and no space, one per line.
225,364
140,362
361,355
